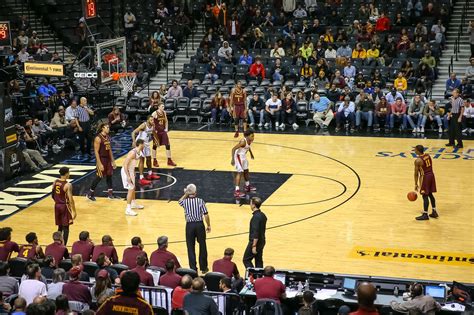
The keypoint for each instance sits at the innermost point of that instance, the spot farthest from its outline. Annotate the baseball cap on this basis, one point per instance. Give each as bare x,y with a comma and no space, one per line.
103,274
75,272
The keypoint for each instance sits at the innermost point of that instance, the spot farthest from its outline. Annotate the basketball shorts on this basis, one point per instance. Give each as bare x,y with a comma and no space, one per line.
147,150
241,164
161,138
62,214
239,111
428,185
125,182
108,168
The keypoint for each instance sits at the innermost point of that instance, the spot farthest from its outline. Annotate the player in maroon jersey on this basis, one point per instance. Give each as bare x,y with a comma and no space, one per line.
33,250
161,134
104,160
238,107
424,176
64,207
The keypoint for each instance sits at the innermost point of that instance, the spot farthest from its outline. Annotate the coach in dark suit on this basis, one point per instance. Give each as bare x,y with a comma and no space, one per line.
258,225
195,213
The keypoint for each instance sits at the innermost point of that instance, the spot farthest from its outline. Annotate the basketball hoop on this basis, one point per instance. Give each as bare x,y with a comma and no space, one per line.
126,79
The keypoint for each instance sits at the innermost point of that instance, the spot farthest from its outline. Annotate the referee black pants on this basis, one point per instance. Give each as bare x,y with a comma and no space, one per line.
85,139
455,130
249,256
196,230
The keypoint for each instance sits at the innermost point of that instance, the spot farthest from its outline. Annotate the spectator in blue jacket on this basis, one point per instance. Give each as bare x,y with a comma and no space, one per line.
46,89
190,91
451,84
245,59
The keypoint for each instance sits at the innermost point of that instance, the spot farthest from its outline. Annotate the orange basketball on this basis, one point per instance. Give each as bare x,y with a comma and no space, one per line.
115,76
412,195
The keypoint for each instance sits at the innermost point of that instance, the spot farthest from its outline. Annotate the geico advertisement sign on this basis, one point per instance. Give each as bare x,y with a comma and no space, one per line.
89,75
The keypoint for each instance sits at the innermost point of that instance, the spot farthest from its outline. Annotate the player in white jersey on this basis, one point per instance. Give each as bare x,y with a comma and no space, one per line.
239,160
128,175
145,132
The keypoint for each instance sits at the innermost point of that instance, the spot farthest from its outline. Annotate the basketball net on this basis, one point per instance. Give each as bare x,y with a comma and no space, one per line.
126,79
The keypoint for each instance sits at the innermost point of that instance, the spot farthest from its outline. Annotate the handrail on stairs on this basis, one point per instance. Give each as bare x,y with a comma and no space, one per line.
451,65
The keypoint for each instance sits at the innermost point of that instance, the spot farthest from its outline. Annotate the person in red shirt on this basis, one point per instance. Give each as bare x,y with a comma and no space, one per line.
76,291
398,113
170,279
226,265
160,256
180,291
83,246
130,254
145,277
383,23
32,250
7,247
107,247
269,288
257,70
366,295
127,301
57,248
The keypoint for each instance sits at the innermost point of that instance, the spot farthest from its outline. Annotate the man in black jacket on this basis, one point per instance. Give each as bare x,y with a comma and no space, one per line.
257,229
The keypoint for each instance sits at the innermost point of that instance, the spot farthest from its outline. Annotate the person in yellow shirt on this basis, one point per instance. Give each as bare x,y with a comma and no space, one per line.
306,51
373,54
328,37
359,52
401,83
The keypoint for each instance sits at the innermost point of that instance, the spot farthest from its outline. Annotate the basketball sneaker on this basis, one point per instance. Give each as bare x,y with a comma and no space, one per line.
114,197
152,176
91,197
171,163
136,206
144,182
238,194
250,188
155,163
236,134
423,217
130,212
434,214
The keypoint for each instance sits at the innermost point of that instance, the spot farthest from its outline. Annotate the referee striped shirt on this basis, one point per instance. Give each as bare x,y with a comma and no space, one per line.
194,209
456,104
83,114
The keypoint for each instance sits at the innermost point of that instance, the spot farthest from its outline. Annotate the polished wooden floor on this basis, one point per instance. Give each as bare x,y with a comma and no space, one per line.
341,197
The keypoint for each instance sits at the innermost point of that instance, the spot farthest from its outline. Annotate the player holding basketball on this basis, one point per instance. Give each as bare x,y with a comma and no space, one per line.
161,134
64,207
239,160
105,162
128,176
425,177
238,107
145,132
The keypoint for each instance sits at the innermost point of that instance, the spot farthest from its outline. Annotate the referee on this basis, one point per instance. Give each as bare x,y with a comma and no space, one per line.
258,225
84,114
455,119
195,212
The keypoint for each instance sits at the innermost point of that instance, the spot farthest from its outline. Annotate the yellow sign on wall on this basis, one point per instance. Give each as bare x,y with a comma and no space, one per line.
44,68
413,256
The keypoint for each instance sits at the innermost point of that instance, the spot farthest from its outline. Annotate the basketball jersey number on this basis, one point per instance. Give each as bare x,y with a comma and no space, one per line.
427,163
25,252
58,189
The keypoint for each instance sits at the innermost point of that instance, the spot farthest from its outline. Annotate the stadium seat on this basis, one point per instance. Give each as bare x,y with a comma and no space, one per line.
160,310
330,306
90,268
133,106
17,266
187,271
205,110
212,280
302,113
121,101
194,107
188,71
266,306
182,109
66,264
170,107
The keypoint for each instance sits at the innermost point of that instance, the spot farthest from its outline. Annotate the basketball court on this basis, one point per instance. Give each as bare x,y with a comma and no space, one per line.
334,204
